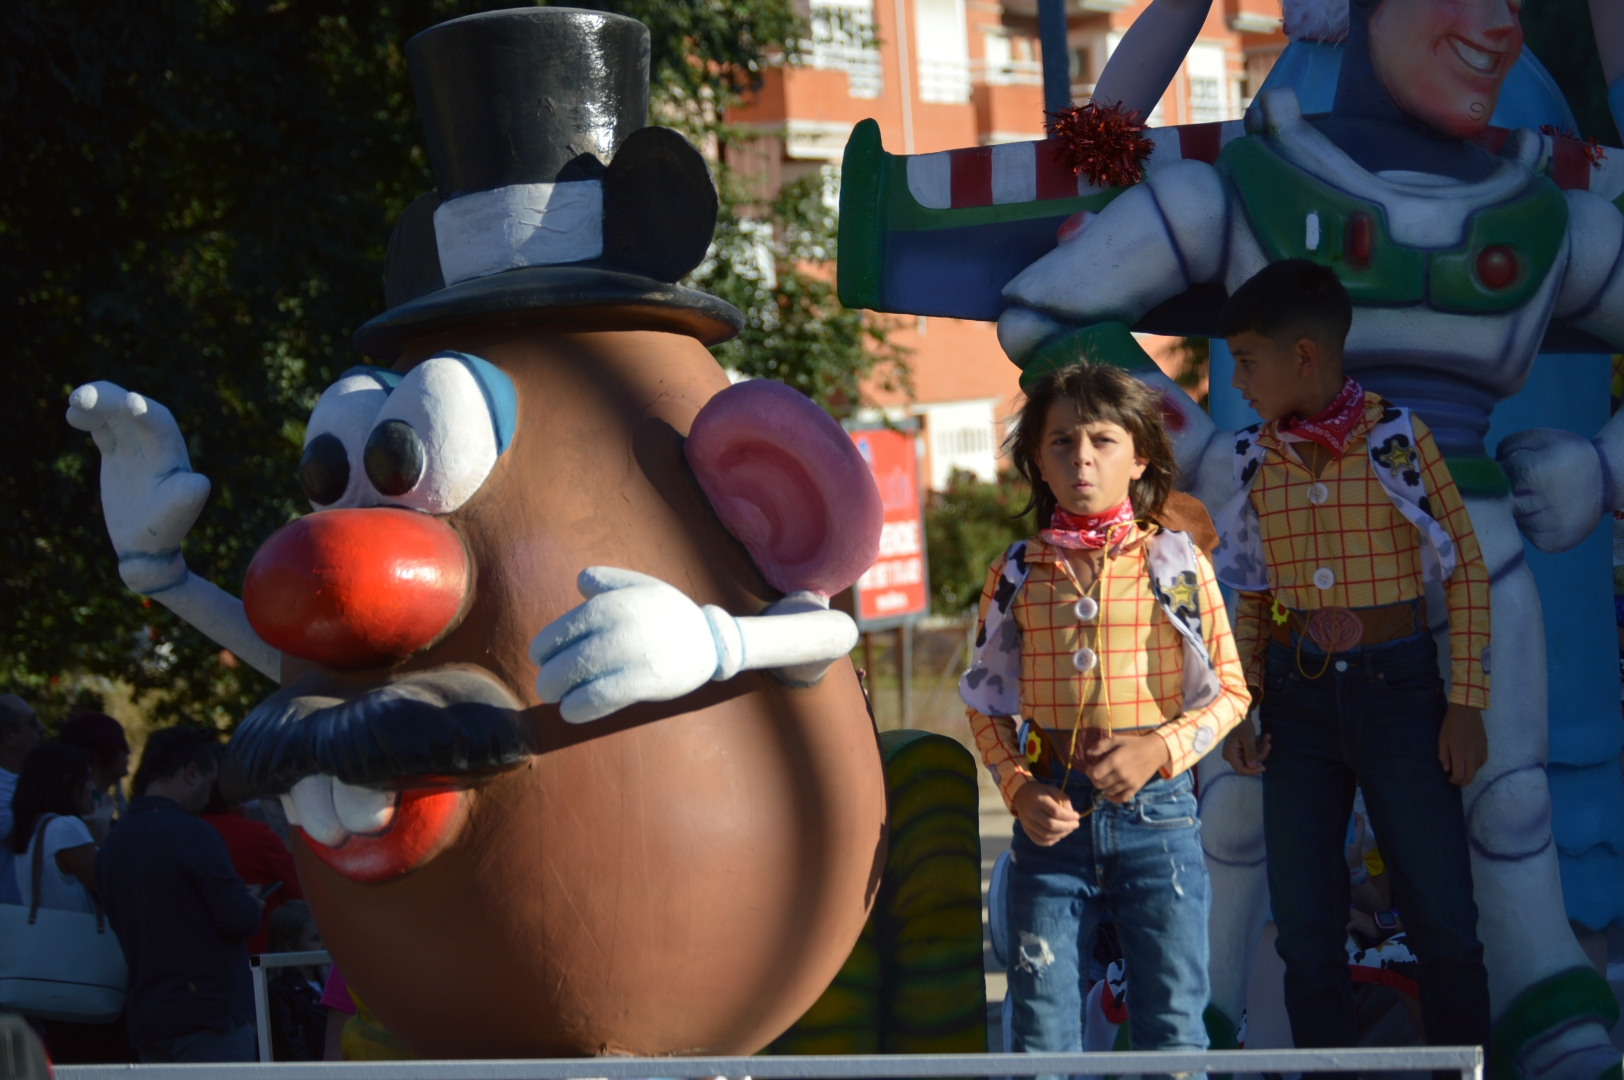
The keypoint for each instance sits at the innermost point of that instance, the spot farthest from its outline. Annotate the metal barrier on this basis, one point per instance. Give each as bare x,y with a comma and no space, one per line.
1466,1060
262,963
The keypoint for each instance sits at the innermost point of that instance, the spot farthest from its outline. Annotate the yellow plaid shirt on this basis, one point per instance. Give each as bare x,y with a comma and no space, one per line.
1140,654
1372,551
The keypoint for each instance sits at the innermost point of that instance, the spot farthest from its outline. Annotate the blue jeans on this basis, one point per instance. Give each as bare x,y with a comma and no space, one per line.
1141,864
1371,719
239,1043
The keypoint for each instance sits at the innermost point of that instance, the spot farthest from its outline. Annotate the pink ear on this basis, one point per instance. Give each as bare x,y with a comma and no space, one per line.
787,481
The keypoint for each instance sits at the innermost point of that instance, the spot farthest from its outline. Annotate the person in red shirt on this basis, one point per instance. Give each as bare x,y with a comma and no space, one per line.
260,858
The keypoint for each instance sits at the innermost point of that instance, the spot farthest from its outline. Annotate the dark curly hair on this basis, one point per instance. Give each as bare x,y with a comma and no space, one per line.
1100,392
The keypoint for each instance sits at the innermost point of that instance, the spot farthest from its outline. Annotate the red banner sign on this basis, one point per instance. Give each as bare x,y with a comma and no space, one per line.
894,588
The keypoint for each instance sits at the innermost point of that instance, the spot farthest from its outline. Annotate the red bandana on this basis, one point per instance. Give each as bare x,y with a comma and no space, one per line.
1091,531
1333,425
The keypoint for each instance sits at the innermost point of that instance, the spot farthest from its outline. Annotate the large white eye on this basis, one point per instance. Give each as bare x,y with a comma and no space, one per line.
330,469
437,437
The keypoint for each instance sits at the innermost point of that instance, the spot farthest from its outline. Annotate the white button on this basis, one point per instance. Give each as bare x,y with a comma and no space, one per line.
1323,578
1084,659
1342,665
1318,493
1087,609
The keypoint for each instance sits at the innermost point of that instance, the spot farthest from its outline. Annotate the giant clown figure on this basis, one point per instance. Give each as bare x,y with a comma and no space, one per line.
651,822
1461,255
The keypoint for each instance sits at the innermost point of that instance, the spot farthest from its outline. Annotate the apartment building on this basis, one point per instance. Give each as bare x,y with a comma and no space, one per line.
945,74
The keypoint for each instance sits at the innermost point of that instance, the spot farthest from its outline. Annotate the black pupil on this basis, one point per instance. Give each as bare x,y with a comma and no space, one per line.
394,457
324,470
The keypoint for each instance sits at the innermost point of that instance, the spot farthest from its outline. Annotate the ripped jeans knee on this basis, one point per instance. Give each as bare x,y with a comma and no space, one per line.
1033,954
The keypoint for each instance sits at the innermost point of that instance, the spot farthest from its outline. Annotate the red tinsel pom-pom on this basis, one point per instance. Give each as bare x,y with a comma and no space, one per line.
1105,143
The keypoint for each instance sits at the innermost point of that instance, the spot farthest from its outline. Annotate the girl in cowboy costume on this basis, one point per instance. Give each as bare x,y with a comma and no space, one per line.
1104,669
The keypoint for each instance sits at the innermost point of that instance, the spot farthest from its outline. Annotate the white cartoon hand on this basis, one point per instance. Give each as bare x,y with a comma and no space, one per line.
1556,485
635,639
150,495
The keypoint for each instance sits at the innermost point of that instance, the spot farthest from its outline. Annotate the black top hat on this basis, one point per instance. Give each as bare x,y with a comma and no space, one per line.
554,202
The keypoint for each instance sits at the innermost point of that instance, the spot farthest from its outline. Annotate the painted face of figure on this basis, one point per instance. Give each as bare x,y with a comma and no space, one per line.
1089,467
1443,60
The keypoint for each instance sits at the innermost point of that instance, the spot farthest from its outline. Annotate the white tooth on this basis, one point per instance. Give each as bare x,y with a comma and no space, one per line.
1477,59
314,798
361,809
290,809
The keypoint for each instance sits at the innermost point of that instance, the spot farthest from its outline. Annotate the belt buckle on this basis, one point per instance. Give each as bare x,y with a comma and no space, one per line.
1335,629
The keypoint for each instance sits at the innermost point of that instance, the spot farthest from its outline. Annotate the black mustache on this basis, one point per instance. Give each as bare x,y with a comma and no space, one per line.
452,723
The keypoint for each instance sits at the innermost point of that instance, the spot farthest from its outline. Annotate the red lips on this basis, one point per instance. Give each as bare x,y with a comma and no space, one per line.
356,588
423,821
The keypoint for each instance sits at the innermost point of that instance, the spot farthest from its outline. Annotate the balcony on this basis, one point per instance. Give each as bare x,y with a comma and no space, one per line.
861,65
944,82
1007,72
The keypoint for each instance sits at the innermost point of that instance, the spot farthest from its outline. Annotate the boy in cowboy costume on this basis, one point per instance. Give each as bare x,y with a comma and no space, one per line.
1345,515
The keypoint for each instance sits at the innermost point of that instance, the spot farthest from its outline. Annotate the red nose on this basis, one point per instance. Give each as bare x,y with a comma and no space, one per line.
356,588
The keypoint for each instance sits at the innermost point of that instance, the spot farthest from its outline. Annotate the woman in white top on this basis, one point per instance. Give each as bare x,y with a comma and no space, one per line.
55,787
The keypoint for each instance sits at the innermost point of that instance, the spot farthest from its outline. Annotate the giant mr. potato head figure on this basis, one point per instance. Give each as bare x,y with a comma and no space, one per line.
656,825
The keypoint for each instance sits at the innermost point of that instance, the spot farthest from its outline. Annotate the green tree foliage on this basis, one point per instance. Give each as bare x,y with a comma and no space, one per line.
195,204
968,525
777,268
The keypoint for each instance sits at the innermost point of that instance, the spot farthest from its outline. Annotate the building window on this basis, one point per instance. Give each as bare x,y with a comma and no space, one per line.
843,40
1206,101
962,435
1209,85
1006,61
942,50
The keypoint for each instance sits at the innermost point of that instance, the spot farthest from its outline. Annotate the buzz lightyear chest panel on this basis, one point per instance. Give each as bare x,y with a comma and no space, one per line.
1503,256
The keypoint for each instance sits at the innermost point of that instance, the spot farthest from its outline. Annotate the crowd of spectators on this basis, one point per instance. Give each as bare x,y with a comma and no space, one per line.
191,885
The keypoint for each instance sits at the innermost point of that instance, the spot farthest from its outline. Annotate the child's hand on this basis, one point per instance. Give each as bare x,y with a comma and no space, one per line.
1463,746
1362,926
1355,851
1045,813
1244,750
1119,766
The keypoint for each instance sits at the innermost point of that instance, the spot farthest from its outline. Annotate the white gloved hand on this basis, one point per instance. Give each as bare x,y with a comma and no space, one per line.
1556,485
150,495
635,639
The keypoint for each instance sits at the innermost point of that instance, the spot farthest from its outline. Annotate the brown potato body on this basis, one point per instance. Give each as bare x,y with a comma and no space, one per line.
678,878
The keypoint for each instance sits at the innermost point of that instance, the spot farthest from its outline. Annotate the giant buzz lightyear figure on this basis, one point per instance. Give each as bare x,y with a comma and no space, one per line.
1458,261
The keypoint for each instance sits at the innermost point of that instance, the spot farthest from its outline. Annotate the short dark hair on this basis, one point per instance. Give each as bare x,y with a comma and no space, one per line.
1287,301
51,775
1101,392
169,751
287,926
97,734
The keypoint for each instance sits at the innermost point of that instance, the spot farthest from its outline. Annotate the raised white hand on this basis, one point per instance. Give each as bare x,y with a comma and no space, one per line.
1556,485
635,639
150,495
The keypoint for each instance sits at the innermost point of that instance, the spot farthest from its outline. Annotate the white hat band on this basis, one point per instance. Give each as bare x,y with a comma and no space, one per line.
488,232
